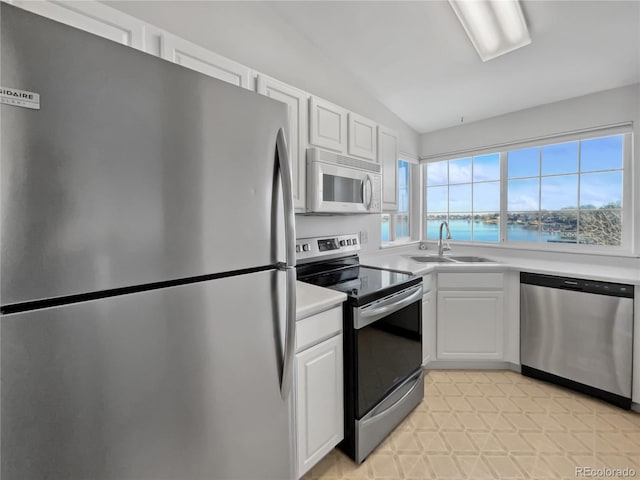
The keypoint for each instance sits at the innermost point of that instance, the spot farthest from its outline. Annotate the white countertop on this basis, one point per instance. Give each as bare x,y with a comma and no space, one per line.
311,299
402,262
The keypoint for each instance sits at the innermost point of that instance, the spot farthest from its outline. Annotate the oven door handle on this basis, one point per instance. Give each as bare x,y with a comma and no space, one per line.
364,316
403,390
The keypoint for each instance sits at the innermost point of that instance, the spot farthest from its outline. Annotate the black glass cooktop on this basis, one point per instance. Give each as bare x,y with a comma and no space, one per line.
362,284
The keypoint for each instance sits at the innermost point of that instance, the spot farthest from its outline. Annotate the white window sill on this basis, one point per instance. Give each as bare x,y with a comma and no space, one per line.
398,243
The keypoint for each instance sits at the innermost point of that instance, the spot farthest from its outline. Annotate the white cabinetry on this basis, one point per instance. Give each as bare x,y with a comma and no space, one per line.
190,55
92,17
296,100
388,158
428,320
362,139
319,387
327,125
470,316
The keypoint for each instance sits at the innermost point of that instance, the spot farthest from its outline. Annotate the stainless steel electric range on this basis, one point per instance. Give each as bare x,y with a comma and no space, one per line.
383,379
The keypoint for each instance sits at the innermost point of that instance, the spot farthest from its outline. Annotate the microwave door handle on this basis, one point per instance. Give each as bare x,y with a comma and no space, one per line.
370,190
282,158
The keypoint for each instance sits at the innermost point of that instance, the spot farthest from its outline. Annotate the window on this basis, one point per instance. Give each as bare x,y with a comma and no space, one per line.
570,192
466,193
567,192
397,226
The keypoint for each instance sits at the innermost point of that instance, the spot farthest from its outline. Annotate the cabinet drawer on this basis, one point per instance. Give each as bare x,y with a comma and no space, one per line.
482,281
427,283
316,328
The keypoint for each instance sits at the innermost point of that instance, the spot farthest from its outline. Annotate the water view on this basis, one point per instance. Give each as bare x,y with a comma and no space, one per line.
597,227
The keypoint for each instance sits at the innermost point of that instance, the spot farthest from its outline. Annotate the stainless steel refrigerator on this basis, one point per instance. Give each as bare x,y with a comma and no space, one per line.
148,288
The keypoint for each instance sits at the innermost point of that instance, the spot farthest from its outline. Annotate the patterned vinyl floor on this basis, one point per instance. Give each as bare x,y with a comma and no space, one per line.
499,425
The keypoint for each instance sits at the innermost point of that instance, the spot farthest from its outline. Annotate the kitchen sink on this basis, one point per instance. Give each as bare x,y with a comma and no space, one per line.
470,259
449,259
433,259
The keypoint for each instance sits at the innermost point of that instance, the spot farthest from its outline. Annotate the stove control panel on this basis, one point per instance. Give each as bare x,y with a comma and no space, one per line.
319,247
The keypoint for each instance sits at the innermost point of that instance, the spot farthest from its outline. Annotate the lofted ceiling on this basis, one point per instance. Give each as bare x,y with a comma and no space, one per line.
415,57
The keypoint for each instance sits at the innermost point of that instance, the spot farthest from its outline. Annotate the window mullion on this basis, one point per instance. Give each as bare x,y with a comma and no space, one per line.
503,196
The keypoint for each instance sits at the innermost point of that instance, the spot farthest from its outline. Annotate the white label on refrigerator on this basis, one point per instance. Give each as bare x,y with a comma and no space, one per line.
19,98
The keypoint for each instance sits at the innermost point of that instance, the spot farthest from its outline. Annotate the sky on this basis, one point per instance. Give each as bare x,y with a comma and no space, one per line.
552,177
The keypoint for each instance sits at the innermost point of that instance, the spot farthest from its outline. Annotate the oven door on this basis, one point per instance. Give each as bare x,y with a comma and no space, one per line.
338,189
388,346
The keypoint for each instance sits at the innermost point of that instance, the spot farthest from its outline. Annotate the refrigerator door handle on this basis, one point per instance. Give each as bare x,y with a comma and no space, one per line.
290,334
282,156
287,193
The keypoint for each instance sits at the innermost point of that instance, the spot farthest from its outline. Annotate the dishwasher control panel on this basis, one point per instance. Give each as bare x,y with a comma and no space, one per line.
579,284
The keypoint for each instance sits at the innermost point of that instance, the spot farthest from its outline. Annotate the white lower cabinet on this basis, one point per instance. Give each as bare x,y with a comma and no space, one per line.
319,389
428,323
470,325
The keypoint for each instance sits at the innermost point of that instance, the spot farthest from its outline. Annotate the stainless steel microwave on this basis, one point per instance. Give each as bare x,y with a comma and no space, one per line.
341,184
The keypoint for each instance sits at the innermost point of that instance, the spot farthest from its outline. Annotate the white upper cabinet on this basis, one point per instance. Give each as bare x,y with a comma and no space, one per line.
297,141
362,137
388,158
327,125
92,17
190,55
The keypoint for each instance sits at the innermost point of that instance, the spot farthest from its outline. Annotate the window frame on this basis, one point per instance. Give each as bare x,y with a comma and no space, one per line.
628,211
415,204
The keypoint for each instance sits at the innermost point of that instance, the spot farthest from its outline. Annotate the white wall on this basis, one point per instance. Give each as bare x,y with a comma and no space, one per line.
253,34
599,109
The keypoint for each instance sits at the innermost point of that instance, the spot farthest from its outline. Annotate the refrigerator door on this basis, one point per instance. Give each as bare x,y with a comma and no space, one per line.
134,170
178,383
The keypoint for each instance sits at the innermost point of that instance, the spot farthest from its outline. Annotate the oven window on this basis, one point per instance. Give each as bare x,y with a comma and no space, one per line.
341,189
388,351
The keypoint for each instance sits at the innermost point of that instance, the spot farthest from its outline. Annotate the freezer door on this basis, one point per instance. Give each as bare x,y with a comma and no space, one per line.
134,170
180,383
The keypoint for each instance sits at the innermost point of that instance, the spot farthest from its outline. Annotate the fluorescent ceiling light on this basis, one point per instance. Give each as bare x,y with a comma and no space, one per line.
495,27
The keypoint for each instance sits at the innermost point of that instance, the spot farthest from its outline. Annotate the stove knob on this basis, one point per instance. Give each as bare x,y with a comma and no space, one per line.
306,247
349,242
297,248
354,291
355,241
342,243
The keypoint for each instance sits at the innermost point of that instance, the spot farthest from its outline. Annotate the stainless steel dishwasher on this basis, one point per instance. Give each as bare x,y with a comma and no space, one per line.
578,333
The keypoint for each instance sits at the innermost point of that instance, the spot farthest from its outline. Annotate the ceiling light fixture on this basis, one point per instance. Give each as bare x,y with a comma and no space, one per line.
495,27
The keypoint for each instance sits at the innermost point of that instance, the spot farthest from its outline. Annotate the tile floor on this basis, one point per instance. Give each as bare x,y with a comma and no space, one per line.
498,425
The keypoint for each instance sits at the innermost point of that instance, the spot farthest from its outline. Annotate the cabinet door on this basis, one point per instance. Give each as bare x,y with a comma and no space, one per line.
319,402
296,100
192,56
388,157
470,325
327,125
362,137
92,17
428,327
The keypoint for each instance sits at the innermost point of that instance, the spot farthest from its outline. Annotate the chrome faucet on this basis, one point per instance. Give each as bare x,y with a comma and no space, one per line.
441,246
